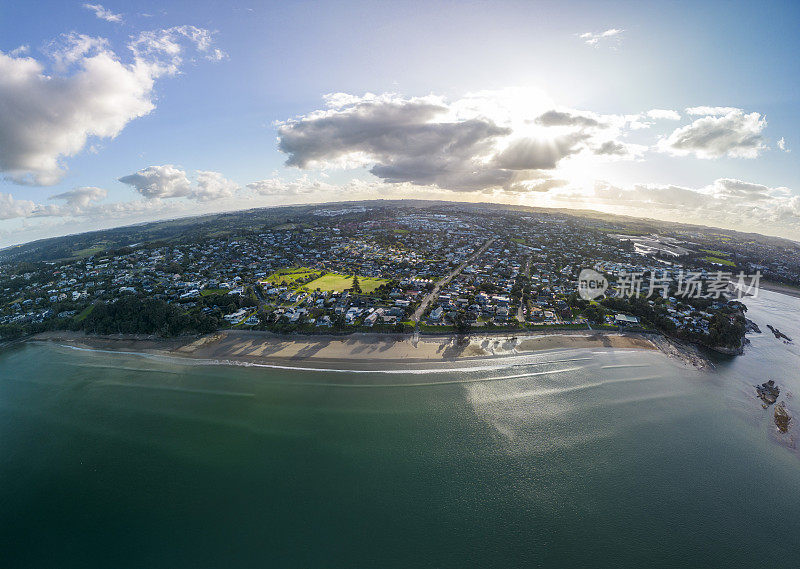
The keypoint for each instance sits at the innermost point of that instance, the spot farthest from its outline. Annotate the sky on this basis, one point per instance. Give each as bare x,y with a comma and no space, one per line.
124,112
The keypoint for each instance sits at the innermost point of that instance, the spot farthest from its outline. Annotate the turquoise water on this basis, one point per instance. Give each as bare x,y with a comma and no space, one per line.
577,458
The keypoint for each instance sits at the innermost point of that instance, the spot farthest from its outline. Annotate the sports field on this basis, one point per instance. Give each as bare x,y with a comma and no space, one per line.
289,275
334,282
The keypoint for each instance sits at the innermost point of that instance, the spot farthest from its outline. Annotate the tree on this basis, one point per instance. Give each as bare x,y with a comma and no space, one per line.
462,324
594,314
355,287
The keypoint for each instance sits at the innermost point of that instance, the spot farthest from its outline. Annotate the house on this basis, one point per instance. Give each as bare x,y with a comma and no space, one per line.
236,317
351,315
625,320
372,318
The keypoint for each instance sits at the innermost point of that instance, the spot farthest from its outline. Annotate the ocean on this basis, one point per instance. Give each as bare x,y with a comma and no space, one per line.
568,458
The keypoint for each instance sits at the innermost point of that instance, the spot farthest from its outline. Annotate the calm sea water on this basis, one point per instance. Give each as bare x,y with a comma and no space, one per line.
567,459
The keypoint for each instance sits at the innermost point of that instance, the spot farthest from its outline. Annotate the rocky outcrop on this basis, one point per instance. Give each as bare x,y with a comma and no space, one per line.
768,392
782,417
738,351
778,334
752,326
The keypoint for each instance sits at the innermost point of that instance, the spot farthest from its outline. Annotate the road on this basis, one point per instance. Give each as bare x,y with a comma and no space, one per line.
423,306
520,312
260,295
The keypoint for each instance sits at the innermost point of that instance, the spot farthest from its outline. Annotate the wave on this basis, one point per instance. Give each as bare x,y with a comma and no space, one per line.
509,362
546,391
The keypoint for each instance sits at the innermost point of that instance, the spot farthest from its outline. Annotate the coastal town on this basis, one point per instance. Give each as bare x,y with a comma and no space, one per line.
345,268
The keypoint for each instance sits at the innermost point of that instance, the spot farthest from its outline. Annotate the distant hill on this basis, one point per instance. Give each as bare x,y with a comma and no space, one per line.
192,228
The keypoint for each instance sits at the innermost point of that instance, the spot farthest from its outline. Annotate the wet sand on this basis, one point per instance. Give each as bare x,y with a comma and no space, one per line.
353,351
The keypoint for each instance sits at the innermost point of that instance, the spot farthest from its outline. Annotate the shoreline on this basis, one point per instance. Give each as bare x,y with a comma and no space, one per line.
780,288
363,351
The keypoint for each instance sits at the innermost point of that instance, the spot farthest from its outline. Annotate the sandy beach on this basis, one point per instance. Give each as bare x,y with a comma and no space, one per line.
365,351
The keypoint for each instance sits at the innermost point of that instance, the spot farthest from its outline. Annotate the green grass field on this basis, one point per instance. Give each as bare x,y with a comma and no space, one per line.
84,313
333,282
289,275
716,253
210,291
719,261
88,252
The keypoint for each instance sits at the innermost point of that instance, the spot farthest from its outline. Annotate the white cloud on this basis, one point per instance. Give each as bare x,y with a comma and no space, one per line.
165,181
714,111
168,181
72,48
721,132
665,114
280,187
782,145
216,54
142,207
726,202
729,188
103,13
213,186
46,117
595,39
81,197
11,208
77,202
166,47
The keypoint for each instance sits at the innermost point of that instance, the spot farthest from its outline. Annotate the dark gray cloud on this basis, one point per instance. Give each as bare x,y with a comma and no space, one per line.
542,185
560,118
611,147
382,130
737,189
535,154
417,141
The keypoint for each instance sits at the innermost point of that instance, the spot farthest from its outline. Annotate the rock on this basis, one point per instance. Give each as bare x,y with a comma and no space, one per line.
738,351
782,417
768,392
751,326
778,334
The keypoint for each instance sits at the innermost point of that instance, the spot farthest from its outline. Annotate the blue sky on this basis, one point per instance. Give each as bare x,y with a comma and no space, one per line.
447,100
